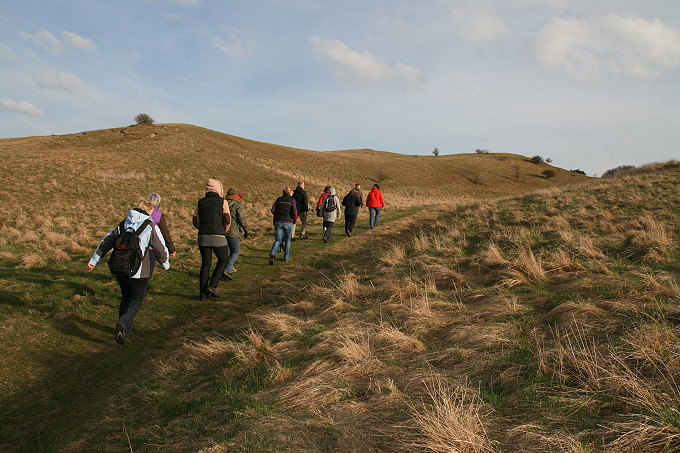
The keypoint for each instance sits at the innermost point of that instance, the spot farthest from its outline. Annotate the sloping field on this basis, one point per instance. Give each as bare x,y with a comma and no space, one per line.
233,375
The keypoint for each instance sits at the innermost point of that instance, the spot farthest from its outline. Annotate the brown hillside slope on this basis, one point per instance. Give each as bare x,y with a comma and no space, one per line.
103,172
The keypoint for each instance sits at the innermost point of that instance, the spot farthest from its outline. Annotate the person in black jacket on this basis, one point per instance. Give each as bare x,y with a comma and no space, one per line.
285,215
212,218
352,202
302,202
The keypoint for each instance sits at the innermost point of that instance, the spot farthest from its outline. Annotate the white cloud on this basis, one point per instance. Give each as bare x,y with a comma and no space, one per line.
23,107
61,82
46,40
7,53
51,44
238,43
478,22
77,41
364,65
587,49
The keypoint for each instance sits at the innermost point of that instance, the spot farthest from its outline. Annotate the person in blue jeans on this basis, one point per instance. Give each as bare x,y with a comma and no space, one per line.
375,203
238,224
285,215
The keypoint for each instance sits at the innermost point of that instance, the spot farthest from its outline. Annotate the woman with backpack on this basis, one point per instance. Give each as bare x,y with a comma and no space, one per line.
212,218
133,241
330,210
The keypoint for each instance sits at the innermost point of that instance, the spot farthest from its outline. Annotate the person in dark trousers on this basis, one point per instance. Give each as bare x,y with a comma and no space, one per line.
323,196
352,202
375,203
331,212
133,288
212,218
238,224
302,202
285,215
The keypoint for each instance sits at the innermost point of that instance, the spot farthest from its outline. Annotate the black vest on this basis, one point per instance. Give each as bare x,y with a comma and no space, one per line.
283,209
211,214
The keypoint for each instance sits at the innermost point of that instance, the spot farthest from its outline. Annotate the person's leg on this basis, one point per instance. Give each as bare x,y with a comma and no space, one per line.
206,262
377,216
350,221
303,225
234,251
278,238
287,229
222,254
136,291
329,231
371,217
292,233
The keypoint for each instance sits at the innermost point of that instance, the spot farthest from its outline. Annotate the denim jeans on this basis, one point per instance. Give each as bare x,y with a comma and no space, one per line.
282,234
204,279
132,294
374,216
234,251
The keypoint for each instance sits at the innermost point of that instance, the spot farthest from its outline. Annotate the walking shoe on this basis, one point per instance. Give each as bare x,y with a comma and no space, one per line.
203,297
271,259
348,233
120,333
292,239
325,240
303,236
226,276
212,292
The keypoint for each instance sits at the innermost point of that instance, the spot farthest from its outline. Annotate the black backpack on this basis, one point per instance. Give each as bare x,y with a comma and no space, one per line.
329,203
127,256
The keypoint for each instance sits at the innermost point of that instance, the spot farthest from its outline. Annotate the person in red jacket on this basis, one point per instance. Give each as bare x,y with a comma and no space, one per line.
323,196
375,202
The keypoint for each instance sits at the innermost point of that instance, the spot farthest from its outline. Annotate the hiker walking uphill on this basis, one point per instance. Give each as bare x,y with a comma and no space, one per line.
302,202
352,202
285,215
322,197
238,224
133,241
212,218
331,212
375,202
159,219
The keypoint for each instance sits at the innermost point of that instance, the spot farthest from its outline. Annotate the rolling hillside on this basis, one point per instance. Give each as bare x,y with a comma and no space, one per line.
67,385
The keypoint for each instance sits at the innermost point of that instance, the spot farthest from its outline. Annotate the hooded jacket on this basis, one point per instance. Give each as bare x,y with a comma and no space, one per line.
238,217
334,215
352,203
151,237
301,199
375,198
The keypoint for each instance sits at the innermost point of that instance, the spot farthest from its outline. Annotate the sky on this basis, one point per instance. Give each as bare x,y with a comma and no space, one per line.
590,84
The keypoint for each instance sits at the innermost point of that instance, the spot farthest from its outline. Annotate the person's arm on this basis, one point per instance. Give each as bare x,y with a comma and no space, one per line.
226,215
159,248
163,226
294,211
194,219
103,248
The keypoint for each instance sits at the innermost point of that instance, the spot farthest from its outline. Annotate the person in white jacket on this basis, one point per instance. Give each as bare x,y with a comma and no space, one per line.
331,211
133,288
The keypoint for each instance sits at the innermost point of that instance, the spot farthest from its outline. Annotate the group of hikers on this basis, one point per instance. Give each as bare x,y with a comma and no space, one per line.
143,237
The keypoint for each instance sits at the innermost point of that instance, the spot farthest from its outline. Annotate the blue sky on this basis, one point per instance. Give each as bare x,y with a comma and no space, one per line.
590,84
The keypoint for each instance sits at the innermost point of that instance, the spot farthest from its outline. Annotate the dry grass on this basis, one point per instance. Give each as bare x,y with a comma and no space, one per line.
451,420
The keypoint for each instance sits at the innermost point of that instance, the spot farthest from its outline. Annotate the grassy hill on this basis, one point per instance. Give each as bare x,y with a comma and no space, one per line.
545,320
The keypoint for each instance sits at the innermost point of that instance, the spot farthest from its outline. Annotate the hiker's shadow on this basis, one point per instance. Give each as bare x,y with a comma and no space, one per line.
70,324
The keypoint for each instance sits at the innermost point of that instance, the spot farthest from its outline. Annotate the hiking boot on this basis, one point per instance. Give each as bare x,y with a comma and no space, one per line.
120,333
271,259
212,292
